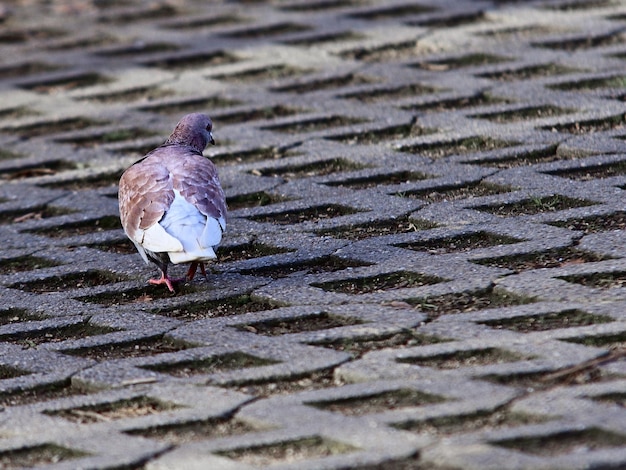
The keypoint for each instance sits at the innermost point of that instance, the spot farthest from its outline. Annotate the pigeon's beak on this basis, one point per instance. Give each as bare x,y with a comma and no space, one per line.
211,139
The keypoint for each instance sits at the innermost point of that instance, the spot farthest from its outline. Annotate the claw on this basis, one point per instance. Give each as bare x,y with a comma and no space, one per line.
164,280
169,282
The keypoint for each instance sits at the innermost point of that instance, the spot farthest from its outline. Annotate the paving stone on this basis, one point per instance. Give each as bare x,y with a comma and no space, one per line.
423,266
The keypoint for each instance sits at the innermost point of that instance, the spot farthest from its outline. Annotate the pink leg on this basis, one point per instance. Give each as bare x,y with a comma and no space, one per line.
193,267
192,270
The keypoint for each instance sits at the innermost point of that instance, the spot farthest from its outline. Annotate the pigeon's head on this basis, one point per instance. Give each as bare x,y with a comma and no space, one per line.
193,130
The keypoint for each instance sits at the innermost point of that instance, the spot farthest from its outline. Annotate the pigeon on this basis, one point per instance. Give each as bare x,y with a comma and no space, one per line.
172,206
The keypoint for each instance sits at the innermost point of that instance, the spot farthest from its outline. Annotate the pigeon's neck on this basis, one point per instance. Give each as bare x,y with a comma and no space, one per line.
197,143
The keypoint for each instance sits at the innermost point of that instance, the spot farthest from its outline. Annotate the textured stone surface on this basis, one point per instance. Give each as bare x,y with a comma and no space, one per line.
423,267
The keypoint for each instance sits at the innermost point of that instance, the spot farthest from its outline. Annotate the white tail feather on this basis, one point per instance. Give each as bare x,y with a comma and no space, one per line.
197,233
157,239
187,257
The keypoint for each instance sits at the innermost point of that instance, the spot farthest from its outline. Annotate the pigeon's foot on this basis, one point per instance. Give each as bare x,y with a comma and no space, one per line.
193,267
164,280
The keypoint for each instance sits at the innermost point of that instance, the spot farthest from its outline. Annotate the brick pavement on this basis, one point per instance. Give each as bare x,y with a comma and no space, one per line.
423,267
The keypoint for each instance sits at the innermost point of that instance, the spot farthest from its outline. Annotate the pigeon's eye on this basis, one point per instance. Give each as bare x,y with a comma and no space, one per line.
208,127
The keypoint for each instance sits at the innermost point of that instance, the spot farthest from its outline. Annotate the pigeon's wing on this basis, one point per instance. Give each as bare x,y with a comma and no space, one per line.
145,194
198,183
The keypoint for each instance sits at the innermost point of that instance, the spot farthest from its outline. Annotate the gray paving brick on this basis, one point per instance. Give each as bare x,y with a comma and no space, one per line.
423,266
